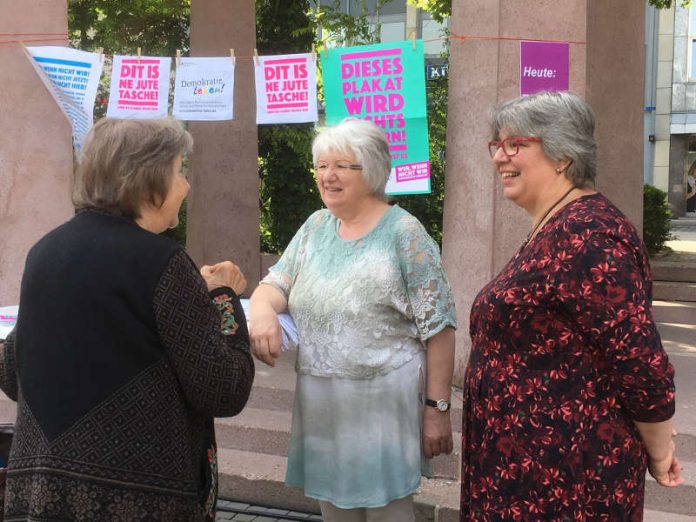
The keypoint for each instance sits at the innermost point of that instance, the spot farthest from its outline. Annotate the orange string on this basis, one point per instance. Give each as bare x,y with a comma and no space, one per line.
18,43
34,34
512,38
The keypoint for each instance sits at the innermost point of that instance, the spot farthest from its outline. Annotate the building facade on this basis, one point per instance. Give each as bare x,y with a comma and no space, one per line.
670,101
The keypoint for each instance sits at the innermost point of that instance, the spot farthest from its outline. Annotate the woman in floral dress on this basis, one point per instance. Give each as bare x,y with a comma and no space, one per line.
568,392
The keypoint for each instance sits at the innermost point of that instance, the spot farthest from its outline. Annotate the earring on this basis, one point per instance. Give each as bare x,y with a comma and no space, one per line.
559,170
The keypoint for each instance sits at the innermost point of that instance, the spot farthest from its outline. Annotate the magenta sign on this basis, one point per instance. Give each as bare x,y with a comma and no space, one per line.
543,67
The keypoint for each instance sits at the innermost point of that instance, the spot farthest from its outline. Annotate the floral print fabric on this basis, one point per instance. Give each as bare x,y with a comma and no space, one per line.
565,356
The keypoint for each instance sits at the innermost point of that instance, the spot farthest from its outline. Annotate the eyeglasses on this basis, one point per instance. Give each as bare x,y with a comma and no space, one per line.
323,168
510,146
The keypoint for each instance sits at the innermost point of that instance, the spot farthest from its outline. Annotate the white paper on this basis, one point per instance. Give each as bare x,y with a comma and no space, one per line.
139,87
204,89
74,76
290,338
286,88
8,319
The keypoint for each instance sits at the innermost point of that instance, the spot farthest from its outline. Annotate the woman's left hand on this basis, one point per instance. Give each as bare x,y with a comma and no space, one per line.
437,433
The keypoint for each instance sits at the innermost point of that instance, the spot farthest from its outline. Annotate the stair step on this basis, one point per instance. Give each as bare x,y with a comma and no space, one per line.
673,271
674,291
259,479
680,312
678,333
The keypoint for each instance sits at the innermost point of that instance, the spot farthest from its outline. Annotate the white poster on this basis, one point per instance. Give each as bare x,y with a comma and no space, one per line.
74,78
204,89
286,88
139,87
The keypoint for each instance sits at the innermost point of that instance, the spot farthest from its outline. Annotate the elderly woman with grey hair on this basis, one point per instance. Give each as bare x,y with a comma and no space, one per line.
123,351
568,392
365,286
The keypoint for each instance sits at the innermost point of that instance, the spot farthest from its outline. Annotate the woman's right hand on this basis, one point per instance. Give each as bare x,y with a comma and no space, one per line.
666,471
264,332
222,274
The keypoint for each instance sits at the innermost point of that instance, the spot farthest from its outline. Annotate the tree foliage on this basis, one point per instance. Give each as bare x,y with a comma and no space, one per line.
666,4
158,27
656,219
288,193
438,9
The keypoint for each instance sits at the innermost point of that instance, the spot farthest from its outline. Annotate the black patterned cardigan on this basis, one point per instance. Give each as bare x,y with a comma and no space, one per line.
121,430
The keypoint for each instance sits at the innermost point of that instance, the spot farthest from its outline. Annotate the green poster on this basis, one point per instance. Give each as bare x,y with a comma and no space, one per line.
384,83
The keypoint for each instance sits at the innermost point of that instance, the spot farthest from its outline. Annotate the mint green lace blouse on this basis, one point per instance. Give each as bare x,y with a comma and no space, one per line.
363,307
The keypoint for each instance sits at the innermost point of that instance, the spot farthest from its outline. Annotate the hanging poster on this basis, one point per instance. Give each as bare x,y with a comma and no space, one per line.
286,88
73,78
204,89
139,87
384,83
544,66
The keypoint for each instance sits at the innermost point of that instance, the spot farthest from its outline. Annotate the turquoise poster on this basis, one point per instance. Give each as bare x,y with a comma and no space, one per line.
384,83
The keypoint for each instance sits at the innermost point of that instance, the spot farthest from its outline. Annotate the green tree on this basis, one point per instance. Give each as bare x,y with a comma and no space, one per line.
656,219
288,193
666,4
158,27
438,9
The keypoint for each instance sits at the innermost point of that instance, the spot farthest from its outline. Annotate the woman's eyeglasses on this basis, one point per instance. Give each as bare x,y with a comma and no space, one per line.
510,146
323,168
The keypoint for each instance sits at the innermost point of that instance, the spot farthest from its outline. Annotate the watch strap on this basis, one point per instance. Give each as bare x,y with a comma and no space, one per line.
437,404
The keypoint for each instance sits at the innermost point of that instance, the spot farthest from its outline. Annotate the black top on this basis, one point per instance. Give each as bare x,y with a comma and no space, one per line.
119,363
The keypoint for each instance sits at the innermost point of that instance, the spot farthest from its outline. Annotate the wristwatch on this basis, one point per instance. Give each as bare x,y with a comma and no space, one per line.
440,405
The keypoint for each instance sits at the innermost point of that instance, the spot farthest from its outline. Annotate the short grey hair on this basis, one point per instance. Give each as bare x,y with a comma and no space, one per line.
126,163
564,122
364,140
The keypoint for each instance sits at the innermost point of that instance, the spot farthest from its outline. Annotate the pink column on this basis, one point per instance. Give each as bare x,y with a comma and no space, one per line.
223,205
35,142
481,229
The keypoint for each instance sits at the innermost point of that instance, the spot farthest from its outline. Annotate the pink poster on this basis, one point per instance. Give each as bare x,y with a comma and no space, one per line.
544,66
139,87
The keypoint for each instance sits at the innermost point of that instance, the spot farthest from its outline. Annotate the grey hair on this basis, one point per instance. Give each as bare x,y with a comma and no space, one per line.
364,140
564,122
126,163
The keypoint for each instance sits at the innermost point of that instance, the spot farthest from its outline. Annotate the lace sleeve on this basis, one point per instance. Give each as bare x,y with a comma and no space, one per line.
427,287
282,274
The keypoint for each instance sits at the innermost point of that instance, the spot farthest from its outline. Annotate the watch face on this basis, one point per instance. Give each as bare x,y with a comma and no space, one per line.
442,405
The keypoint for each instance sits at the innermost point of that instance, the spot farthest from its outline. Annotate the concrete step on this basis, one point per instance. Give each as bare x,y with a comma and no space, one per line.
258,479
678,333
674,291
673,271
679,312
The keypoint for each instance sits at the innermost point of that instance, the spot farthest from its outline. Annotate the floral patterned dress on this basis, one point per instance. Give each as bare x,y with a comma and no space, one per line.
565,356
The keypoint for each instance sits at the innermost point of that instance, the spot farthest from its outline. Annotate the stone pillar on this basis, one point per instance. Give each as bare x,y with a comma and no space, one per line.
223,205
482,229
615,79
35,142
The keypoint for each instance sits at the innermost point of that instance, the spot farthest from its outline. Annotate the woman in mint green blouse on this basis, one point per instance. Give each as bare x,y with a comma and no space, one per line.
375,315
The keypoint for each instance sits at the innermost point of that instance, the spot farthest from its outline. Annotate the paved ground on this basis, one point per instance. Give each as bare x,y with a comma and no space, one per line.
242,512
